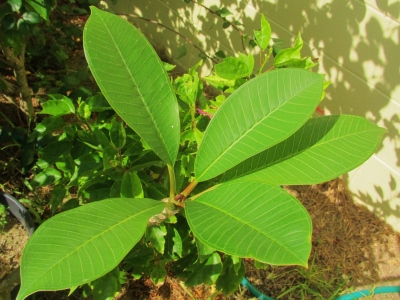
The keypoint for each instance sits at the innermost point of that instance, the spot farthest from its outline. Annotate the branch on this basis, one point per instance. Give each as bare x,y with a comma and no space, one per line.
242,34
18,65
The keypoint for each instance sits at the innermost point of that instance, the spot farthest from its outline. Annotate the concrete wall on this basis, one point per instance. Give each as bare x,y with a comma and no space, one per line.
358,43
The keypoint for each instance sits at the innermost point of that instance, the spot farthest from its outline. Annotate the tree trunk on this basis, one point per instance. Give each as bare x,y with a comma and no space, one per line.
18,65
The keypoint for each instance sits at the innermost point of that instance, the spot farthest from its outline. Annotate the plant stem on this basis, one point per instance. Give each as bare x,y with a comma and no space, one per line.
186,192
17,62
172,182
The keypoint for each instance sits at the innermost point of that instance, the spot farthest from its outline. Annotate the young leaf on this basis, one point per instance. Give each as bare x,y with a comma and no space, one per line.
223,12
261,113
263,36
252,220
133,80
233,68
59,105
117,134
80,245
321,150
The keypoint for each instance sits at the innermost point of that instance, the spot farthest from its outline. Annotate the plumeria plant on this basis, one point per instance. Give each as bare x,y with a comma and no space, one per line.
164,180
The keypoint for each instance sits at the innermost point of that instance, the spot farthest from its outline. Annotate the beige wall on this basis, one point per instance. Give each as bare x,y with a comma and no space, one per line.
358,43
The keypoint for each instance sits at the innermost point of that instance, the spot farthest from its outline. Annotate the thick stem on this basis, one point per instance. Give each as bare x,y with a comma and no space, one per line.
18,64
186,192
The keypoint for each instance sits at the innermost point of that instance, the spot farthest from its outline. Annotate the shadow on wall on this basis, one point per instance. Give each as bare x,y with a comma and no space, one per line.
358,54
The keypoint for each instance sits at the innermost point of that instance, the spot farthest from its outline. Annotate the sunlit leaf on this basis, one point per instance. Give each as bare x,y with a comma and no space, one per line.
263,36
321,150
133,80
252,220
261,113
80,245
59,105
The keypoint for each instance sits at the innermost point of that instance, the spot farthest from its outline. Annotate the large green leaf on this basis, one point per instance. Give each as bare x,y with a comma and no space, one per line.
253,220
321,150
261,113
132,78
80,245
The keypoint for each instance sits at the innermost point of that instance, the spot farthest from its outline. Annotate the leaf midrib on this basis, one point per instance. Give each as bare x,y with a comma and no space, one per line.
139,92
255,228
84,244
251,128
313,147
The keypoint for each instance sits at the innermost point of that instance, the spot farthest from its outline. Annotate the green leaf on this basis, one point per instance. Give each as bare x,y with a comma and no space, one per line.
286,56
233,68
15,4
109,154
226,24
206,272
203,251
98,103
186,88
80,245
173,243
59,105
42,7
155,235
131,186
231,276
263,36
117,134
14,39
66,164
261,113
321,150
140,259
57,196
107,286
132,78
219,82
8,23
46,177
84,111
252,220
158,272
223,12
31,17
181,52
52,152
49,124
